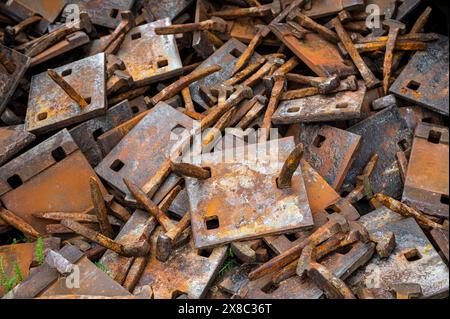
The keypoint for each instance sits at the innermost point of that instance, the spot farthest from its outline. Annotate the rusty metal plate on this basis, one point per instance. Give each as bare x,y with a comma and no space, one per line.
319,55
93,282
323,199
426,185
413,260
149,57
187,271
140,224
86,134
385,134
171,9
52,176
153,137
424,80
329,150
9,82
241,201
245,29
19,254
12,140
50,108
325,8
104,12
440,237
226,57
321,108
22,9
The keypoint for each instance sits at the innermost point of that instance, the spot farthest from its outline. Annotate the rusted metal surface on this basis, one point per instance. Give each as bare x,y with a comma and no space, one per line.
12,140
11,256
86,134
369,78
318,54
93,281
440,237
425,80
152,134
104,12
71,42
240,211
168,8
405,8
426,185
180,205
323,199
226,57
245,29
149,57
397,137
413,260
395,27
22,9
213,24
320,108
52,176
348,84
217,204
10,81
329,150
50,108
44,276
188,271
140,225
329,7
340,264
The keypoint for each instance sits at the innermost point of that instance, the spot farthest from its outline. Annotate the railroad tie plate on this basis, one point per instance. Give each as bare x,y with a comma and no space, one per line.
241,201
321,108
426,185
51,177
50,108
149,57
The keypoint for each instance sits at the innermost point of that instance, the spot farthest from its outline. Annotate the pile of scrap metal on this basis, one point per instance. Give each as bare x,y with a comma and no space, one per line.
337,111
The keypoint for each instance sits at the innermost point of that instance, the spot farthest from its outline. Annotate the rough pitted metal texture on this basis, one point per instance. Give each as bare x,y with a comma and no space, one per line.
321,108
168,8
187,271
428,269
12,140
51,181
143,151
105,13
329,150
9,82
23,9
226,57
242,195
149,57
49,106
385,134
140,225
427,185
85,134
424,80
